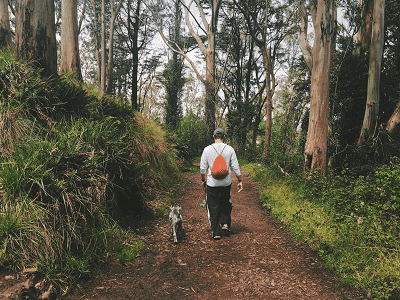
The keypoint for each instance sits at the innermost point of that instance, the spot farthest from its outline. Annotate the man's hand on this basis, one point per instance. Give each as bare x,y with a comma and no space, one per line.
240,186
204,184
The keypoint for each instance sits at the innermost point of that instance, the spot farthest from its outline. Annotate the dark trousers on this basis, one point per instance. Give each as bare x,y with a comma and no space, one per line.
219,207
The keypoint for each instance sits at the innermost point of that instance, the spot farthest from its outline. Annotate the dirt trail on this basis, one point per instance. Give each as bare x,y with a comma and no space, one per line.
258,260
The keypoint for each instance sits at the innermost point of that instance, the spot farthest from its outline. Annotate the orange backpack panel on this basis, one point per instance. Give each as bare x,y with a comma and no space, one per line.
219,169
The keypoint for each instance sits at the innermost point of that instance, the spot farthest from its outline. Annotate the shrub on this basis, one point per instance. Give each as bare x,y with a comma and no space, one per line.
71,165
190,138
353,222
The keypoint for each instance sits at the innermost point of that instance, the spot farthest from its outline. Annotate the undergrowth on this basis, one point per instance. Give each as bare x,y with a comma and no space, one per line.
353,223
72,165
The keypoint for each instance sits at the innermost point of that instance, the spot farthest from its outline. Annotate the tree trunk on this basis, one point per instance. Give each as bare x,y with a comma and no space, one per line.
96,36
114,14
135,54
375,62
35,37
364,34
5,30
103,48
393,125
210,85
209,54
69,38
269,93
324,20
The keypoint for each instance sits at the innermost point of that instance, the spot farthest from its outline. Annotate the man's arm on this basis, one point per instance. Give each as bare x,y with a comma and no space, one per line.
203,177
240,184
203,168
236,169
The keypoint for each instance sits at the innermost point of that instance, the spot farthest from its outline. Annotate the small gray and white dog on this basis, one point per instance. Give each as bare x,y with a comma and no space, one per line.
176,221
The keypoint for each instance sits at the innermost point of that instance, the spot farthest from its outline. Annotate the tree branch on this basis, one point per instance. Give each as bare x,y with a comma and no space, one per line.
305,47
194,18
191,30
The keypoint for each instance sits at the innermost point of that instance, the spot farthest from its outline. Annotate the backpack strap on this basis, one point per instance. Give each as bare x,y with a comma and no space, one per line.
221,151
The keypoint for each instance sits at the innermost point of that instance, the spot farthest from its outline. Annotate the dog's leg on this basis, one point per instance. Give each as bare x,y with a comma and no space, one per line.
180,231
174,234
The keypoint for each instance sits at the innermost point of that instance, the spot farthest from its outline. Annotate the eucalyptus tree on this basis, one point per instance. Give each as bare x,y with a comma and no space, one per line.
204,31
375,62
35,37
318,58
104,14
210,28
5,29
363,35
115,8
70,60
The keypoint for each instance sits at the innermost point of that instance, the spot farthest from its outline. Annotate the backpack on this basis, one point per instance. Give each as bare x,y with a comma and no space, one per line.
219,169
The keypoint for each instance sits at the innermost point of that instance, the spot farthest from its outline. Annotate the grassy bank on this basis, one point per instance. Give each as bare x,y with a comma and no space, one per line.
73,164
353,223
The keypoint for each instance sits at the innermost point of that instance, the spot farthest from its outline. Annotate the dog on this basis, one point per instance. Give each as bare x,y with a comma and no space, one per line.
176,221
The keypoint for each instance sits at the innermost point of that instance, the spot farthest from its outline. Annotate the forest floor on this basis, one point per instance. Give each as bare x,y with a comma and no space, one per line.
259,259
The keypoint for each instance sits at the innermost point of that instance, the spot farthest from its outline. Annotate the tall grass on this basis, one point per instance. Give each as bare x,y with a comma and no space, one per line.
353,223
71,165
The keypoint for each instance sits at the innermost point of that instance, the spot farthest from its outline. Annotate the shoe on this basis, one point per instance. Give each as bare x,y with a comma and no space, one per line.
217,237
225,227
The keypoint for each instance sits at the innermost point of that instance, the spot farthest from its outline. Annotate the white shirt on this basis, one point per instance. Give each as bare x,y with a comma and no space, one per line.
207,160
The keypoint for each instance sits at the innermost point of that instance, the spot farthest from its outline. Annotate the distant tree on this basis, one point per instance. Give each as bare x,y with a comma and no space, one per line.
5,30
208,50
207,44
96,35
173,74
239,81
70,60
35,37
268,24
102,65
318,59
134,51
133,26
110,64
103,17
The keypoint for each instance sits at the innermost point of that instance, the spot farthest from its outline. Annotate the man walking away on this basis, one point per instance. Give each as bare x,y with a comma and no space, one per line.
217,177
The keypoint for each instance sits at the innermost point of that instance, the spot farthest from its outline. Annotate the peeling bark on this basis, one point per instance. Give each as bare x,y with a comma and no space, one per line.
374,72
364,34
324,20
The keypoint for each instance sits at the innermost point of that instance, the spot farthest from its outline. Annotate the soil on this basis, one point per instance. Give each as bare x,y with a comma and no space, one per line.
258,259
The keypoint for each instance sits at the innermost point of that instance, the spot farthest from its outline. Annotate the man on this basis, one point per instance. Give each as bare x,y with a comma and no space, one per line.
218,196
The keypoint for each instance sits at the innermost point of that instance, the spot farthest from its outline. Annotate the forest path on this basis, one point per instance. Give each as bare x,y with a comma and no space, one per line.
258,260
